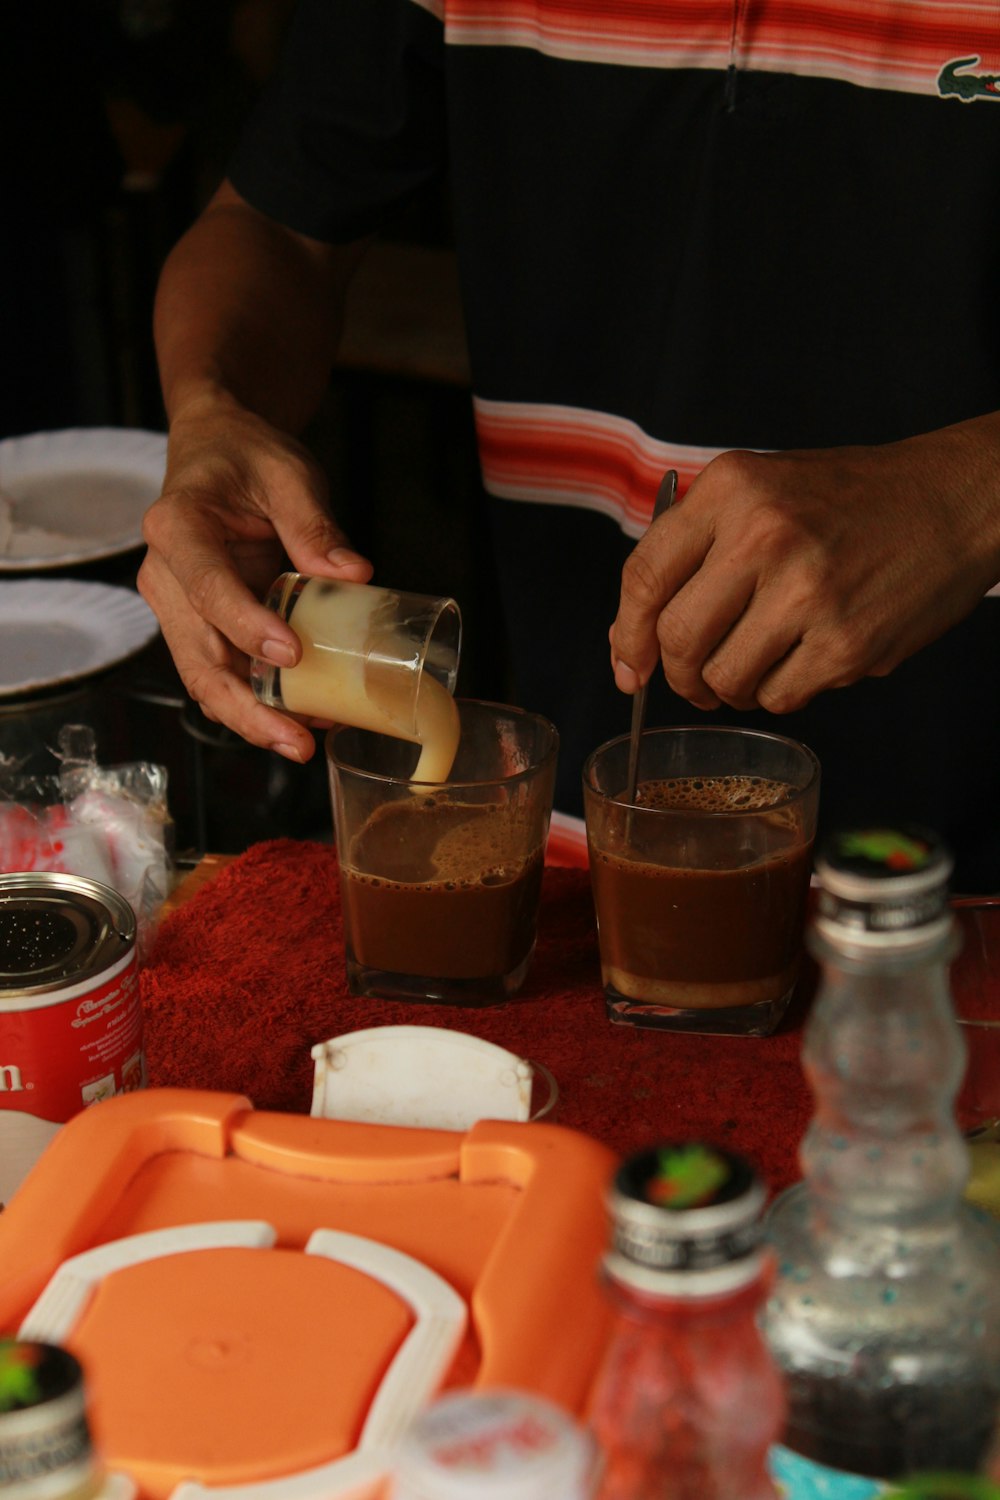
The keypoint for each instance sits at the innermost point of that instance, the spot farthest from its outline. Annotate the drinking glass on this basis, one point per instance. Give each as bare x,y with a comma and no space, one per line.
975,984
371,657
975,981
700,884
440,884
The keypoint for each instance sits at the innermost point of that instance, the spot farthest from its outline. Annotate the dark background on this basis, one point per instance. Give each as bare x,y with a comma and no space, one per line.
119,116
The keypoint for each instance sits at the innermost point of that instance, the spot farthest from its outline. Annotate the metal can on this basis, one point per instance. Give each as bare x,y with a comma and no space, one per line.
70,1016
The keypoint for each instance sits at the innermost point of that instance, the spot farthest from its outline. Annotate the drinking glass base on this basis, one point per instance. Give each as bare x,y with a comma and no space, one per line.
760,1019
380,984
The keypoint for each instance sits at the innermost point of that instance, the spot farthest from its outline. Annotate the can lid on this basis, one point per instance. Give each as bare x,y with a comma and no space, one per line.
885,885
685,1207
494,1445
43,1425
55,926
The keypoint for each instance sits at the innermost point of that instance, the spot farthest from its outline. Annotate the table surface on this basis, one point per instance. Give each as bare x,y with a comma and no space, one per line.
247,974
193,880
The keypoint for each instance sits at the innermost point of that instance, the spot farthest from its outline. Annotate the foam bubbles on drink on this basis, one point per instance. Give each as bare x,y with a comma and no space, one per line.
480,850
714,793
436,843
711,821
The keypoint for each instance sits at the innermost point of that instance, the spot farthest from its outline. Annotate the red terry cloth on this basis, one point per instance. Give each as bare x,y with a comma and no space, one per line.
249,974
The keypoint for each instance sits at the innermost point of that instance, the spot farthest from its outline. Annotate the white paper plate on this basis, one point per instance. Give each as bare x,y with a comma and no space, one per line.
76,496
56,631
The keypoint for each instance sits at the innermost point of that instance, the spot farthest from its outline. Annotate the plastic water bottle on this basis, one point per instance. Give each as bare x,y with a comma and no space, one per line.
687,1401
885,1311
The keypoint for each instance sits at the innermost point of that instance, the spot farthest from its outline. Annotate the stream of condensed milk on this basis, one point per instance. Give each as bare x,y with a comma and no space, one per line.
349,686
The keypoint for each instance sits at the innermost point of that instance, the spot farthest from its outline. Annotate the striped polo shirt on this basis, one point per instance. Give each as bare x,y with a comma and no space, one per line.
683,225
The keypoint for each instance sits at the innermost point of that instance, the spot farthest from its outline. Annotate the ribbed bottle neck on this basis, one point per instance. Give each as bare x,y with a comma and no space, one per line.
884,1057
900,953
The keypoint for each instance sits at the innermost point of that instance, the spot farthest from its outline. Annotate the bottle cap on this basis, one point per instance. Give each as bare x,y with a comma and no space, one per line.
884,887
45,1446
494,1445
685,1219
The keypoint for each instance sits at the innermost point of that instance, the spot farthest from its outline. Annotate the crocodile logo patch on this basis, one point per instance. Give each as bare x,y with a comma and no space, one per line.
967,86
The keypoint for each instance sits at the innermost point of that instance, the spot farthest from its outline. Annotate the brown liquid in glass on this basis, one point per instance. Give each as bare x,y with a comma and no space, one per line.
725,931
439,890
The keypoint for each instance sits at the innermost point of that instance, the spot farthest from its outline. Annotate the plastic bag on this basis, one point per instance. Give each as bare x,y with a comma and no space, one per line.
109,823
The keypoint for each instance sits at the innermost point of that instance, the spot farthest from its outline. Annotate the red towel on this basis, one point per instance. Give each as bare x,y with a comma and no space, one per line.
246,976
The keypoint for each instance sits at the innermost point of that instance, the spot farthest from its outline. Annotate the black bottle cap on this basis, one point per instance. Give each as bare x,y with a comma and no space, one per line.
883,883
685,1206
43,1424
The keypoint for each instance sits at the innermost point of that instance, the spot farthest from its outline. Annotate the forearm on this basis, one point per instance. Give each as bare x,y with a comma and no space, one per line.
249,311
967,462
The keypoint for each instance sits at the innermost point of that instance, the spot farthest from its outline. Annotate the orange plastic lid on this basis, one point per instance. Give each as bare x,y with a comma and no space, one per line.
263,1302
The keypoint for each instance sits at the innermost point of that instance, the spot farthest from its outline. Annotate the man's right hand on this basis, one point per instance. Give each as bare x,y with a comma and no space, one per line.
246,323
239,497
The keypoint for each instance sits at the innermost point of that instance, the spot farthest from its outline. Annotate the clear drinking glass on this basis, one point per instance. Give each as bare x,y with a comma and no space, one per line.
371,657
700,884
440,883
975,988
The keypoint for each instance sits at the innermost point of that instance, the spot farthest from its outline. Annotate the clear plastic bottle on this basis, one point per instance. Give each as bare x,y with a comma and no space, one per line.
885,1311
687,1401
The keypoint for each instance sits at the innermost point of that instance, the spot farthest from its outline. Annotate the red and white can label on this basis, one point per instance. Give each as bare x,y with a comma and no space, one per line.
70,1048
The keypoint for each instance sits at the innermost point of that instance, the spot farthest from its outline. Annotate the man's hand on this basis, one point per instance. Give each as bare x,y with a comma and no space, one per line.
781,575
238,496
246,322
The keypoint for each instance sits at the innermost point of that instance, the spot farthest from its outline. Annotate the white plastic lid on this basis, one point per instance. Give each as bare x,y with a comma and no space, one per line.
494,1445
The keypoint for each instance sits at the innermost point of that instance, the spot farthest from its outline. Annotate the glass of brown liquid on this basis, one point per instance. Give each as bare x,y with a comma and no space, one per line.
975,977
975,982
440,882
700,884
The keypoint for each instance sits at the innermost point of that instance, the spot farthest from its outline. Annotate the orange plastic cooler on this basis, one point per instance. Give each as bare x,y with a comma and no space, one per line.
262,1302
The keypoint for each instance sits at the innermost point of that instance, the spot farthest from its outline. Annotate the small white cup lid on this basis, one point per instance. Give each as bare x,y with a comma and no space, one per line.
494,1445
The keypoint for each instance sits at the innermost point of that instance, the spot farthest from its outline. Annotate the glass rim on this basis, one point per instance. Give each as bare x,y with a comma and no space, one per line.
721,730
443,614
443,611
525,715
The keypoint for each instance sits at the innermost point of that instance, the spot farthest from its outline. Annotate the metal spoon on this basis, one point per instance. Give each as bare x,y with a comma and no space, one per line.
665,496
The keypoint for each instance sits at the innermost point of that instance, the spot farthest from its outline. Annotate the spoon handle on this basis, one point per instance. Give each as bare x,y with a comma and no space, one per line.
665,497
635,735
